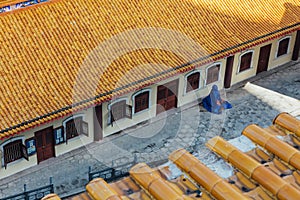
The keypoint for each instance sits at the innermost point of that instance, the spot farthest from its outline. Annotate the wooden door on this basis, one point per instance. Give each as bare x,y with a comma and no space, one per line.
228,71
296,47
263,60
44,144
167,96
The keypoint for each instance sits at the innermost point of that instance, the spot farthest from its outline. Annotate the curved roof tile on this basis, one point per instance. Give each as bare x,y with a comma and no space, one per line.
51,54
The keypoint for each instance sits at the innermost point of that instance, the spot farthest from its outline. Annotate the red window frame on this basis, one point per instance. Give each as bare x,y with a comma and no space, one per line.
246,61
141,101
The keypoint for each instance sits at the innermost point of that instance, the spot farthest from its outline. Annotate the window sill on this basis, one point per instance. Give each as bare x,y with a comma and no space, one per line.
117,121
192,91
14,162
247,70
141,112
213,83
282,56
74,139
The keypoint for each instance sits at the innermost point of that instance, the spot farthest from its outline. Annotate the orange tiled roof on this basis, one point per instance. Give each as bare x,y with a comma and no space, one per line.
44,48
8,2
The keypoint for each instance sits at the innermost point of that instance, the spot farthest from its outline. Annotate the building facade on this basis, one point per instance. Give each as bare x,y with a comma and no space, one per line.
59,125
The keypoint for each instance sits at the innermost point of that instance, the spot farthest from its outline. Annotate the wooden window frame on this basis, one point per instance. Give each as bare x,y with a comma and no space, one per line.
242,61
13,151
279,51
143,96
207,80
74,127
126,113
190,81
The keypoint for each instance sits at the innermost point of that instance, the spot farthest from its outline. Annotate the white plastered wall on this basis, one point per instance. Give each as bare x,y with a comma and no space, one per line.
240,76
60,149
273,60
183,98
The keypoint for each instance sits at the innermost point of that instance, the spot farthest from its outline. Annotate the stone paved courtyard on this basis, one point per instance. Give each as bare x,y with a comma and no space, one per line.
155,140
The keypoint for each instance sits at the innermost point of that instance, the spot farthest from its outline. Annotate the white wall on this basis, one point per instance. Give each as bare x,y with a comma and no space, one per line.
273,60
183,98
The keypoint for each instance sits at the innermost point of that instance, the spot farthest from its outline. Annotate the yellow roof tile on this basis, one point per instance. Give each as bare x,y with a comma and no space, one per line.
45,48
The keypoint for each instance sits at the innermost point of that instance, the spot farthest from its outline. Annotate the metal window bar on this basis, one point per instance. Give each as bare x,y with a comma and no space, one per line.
12,152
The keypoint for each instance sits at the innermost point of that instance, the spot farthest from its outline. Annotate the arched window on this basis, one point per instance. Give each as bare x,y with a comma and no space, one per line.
119,110
14,150
246,61
141,101
75,126
212,73
192,81
283,46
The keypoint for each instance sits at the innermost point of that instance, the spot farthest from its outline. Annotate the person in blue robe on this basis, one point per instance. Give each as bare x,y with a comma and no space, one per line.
214,103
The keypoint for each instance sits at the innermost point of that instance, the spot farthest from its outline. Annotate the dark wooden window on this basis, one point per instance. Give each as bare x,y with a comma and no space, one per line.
246,60
119,110
74,127
212,74
13,151
141,102
193,82
283,47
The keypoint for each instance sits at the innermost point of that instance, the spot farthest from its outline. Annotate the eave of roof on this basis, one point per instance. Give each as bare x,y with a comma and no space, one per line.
61,104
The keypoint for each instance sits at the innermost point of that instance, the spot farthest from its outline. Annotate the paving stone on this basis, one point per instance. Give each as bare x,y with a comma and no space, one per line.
3,187
75,182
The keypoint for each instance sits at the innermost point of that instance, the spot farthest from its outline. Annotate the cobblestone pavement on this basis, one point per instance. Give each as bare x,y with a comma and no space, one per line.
155,140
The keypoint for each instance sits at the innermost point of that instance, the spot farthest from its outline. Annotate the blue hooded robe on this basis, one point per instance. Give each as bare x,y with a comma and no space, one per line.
214,103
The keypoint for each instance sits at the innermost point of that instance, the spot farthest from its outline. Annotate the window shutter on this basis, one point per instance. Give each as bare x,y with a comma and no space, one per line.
78,124
73,128
84,128
24,151
128,111
212,74
110,118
